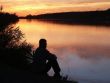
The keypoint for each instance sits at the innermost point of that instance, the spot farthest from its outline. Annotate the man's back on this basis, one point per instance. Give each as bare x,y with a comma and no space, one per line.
43,55
40,56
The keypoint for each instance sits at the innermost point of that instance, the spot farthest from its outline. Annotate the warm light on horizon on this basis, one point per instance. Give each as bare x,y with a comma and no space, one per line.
25,7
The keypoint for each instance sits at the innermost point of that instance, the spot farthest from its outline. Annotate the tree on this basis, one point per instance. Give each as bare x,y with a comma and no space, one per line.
13,50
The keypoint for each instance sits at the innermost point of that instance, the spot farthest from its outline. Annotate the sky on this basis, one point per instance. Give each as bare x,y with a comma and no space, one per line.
24,7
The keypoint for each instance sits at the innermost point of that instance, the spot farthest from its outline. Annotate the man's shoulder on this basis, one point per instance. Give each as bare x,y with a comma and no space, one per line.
52,56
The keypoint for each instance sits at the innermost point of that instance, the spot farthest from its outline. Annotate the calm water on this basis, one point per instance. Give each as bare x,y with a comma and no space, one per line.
83,51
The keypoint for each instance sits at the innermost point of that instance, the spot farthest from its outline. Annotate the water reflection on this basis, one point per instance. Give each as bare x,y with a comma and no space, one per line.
83,51
68,34
85,64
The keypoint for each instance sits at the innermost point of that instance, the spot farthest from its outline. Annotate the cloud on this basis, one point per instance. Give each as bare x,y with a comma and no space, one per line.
53,5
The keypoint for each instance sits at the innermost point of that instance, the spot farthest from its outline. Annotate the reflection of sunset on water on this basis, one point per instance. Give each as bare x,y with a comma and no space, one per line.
57,34
83,51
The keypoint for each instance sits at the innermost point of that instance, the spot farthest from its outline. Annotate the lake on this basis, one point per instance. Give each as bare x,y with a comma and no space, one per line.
83,51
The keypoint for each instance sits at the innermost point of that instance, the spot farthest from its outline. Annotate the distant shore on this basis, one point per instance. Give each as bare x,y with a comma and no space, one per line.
87,18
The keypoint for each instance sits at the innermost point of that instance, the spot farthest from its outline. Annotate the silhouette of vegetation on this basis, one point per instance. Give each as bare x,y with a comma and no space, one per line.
7,19
13,50
90,17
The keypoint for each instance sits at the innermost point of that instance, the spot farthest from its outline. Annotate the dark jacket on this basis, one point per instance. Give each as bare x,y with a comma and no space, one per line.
41,56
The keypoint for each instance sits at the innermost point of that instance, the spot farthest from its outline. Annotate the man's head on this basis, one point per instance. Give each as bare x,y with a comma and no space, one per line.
42,43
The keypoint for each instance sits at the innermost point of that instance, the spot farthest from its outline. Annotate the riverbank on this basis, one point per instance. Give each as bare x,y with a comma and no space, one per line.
13,75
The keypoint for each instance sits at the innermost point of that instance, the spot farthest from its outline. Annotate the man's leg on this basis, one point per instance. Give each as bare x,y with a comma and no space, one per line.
54,64
56,68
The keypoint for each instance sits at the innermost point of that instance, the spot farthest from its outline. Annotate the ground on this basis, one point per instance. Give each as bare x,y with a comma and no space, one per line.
13,75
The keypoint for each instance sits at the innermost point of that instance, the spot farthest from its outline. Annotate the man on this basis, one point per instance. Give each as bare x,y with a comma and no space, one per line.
44,60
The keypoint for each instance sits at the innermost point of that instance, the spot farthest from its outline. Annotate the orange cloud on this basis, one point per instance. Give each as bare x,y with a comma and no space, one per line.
33,8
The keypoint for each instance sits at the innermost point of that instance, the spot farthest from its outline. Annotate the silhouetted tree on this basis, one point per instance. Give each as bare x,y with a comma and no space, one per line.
9,37
13,50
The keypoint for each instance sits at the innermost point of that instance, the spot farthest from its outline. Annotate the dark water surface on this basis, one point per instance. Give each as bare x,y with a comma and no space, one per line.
83,51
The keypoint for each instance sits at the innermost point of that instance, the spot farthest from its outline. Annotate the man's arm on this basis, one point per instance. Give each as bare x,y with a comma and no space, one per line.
51,56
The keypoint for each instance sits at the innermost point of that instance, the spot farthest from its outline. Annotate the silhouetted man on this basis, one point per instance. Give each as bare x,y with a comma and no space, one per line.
44,60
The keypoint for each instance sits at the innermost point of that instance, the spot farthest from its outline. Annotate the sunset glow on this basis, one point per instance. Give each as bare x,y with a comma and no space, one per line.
24,7
66,35
77,46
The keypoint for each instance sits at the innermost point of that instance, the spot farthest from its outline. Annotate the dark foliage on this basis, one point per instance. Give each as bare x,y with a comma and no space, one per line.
7,19
13,50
